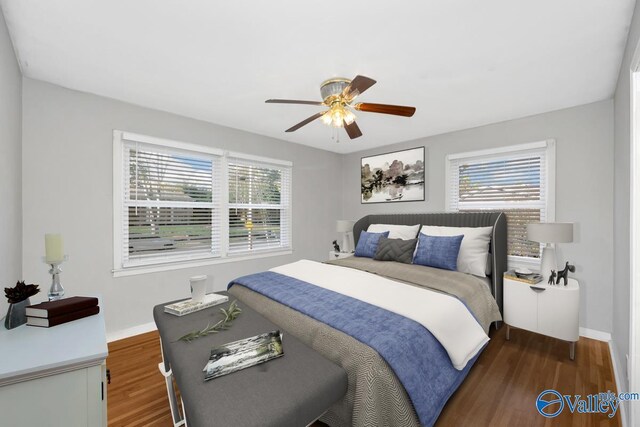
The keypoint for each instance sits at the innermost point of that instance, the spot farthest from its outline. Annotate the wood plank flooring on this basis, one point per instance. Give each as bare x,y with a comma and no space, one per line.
500,390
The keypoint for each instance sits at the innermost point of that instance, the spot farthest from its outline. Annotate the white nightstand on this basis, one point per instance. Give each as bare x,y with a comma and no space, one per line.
551,310
338,255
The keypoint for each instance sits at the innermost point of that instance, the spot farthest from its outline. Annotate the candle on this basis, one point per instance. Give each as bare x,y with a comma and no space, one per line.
54,253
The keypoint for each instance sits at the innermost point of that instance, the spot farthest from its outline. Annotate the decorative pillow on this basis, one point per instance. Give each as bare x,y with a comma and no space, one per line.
404,232
368,243
395,250
474,250
438,251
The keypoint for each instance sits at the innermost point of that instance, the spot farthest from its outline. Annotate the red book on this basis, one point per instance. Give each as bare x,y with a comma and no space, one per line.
63,318
61,306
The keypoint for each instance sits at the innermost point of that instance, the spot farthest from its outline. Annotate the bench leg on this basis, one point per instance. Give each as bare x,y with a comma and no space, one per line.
176,416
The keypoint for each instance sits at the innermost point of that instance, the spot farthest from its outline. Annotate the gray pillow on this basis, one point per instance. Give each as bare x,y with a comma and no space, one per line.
395,250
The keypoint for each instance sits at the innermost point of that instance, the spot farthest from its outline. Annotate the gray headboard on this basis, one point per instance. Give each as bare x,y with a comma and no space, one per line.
498,245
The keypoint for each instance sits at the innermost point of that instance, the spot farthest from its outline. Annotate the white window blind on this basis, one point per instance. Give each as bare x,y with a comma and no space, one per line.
259,206
171,204
515,180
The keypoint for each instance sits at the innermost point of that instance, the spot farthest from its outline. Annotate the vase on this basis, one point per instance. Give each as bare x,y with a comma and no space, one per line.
17,314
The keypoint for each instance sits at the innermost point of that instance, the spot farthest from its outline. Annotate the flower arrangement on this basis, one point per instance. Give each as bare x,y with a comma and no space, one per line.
20,292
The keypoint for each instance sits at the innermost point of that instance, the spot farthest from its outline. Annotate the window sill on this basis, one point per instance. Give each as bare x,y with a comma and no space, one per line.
155,268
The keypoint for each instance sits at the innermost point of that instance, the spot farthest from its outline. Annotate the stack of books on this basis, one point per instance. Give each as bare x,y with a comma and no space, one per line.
181,308
531,278
52,313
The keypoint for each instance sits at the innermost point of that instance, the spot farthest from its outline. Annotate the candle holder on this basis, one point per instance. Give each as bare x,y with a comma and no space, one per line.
56,291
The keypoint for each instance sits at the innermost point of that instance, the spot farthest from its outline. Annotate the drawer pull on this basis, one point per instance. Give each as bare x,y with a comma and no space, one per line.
533,288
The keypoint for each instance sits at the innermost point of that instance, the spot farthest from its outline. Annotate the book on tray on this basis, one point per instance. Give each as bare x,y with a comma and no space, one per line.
181,308
243,354
61,306
47,322
531,278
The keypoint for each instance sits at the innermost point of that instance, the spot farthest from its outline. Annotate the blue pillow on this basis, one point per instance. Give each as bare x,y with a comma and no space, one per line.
368,243
438,251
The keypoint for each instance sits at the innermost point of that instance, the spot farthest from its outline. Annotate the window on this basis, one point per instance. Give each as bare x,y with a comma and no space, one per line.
259,211
176,204
517,180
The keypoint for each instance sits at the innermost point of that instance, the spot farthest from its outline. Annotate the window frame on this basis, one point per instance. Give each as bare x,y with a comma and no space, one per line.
549,146
119,176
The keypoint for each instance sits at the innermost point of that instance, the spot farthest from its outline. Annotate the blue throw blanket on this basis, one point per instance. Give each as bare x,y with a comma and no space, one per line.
419,361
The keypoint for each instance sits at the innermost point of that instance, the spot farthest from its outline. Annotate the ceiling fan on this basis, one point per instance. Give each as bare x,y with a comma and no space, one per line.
338,95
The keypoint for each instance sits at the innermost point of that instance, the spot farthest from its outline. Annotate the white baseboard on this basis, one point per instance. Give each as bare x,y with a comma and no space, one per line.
595,335
129,332
617,376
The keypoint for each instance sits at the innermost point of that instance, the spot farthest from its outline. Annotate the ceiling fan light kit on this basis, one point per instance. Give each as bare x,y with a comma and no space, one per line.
338,94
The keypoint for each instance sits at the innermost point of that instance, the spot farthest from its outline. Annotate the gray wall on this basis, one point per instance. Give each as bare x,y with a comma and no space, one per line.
621,208
10,166
584,182
67,188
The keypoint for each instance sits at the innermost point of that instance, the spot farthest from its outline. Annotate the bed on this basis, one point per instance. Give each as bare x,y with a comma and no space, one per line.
407,335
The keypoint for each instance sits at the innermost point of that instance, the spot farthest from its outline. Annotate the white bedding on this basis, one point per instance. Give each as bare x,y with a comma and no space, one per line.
446,317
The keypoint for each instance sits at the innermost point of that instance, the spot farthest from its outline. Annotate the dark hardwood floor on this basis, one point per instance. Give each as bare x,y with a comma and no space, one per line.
500,390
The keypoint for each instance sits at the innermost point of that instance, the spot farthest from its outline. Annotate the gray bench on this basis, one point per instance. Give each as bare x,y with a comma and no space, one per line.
293,390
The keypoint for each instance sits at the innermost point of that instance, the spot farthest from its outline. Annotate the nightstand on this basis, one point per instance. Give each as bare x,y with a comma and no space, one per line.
338,255
551,310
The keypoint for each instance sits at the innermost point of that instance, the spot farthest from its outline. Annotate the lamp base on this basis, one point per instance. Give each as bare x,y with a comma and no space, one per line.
548,262
347,239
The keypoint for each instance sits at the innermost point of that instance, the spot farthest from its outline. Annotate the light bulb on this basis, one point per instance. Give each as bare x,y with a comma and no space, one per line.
349,117
326,118
337,118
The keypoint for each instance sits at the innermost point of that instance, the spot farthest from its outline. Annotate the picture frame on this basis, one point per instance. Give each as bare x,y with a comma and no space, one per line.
397,176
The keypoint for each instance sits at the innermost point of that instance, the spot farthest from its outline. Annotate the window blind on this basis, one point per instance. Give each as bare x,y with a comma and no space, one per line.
514,182
259,206
171,204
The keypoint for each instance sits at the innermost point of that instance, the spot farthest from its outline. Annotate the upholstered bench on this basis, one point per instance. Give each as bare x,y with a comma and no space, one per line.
293,390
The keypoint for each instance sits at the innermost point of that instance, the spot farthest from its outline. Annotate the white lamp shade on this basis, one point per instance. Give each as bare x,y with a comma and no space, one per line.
550,232
344,225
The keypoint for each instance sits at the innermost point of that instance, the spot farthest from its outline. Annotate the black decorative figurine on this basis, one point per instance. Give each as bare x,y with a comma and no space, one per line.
552,277
336,246
564,274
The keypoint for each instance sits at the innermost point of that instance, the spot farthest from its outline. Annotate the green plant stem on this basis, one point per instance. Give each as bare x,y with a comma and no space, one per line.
230,314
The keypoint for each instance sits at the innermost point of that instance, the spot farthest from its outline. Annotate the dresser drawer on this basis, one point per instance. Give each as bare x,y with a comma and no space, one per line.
558,312
520,305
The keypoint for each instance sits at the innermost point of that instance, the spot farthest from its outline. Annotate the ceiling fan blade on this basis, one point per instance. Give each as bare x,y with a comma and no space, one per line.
292,101
396,110
352,130
305,122
358,85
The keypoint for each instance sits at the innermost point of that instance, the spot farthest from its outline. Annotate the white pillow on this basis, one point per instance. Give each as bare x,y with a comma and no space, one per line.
404,232
474,249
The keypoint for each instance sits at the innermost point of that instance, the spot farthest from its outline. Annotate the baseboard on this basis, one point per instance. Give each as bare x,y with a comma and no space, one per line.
617,376
595,335
129,332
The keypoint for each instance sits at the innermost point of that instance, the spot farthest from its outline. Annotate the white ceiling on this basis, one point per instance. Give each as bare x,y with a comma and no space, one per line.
462,63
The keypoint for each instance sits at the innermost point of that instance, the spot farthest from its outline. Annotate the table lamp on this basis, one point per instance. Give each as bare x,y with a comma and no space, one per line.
345,226
550,232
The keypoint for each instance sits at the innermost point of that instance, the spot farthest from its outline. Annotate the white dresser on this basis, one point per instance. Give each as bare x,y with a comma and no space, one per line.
54,376
551,310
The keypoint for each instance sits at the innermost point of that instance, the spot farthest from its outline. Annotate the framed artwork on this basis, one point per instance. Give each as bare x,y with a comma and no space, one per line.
393,177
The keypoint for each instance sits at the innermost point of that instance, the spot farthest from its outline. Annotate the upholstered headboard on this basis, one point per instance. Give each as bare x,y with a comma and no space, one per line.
498,245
